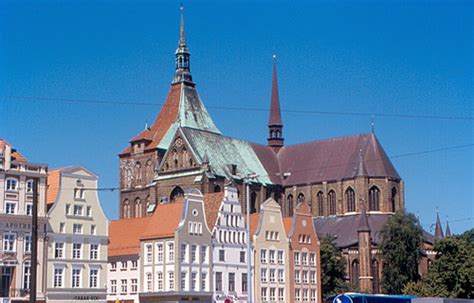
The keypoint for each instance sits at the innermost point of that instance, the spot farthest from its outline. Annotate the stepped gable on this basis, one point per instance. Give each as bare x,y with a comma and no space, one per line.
334,159
164,221
124,236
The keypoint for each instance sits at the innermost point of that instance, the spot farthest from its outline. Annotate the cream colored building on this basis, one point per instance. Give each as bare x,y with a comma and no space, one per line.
176,251
271,253
77,238
17,177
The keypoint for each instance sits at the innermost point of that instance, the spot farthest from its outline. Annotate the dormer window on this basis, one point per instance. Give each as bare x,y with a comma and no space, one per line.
11,184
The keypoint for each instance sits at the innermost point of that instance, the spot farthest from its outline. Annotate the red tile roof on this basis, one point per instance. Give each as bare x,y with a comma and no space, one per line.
212,203
254,218
166,117
15,155
164,220
124,236
52,188
287,223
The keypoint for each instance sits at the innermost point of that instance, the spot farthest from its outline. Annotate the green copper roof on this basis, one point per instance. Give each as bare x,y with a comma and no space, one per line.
192,113
223,151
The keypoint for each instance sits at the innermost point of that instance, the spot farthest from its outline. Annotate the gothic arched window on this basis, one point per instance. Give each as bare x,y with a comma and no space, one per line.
394,199
176,192
126,209
355,273
290,205
149,171
350,199
138,207
253,202
217,188
374,199
320,198
138,172
332,203
300,198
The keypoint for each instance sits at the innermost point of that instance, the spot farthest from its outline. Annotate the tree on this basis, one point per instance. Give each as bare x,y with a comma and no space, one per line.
400,247
452,273
332,268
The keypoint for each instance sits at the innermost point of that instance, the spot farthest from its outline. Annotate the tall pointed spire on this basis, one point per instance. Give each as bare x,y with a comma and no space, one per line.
448,230
275,125
438,228
183,72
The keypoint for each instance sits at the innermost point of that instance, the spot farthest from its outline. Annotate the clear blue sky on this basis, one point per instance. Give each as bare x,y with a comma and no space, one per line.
392,57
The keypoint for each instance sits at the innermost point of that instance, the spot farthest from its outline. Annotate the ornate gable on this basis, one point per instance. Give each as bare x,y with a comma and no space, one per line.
179,156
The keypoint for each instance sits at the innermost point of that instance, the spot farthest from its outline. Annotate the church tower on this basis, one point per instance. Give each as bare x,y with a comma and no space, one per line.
183,64
275,126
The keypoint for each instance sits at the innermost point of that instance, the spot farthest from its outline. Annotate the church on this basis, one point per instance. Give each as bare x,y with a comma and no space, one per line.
348,182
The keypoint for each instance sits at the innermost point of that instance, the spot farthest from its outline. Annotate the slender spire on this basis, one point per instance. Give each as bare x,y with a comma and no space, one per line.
363,221
275,126
275,113
438,228
183,72
182,36
360,169
448,230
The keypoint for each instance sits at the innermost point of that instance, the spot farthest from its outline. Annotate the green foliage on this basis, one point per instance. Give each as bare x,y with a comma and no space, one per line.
452,273
332,269
401,239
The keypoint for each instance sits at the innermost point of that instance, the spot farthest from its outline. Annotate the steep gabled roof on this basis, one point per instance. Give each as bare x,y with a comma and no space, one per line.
124,236
334,159
164,221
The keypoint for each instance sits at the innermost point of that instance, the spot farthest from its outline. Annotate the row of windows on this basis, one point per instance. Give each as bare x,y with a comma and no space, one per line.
350,198
77,228
302,276
231,237
190,282
160,253
11,184
302,258
10,242
11,208
124,286
302,295
230,282
77,251
76,278
270,275
160,281
230,220
78,210
189,253
269,294
271,256
124,265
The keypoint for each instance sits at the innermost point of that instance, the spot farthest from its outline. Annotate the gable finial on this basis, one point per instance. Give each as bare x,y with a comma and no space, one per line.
372,124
